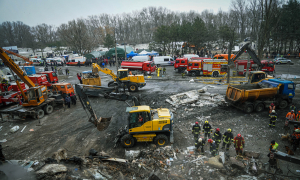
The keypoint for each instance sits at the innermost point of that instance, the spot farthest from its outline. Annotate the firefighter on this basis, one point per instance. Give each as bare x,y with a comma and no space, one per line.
196,131
227,139
4,83
212,147
291,115
273,118
239,144
295,139
217,137
200,143
293,108
207,129
271,108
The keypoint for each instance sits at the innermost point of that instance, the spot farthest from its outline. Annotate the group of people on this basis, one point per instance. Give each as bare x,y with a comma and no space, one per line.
215,141
70,98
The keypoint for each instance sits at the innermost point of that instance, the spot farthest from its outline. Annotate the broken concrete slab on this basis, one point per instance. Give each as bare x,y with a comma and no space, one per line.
132,153
252,154
59,155
236,163
53,169
214,162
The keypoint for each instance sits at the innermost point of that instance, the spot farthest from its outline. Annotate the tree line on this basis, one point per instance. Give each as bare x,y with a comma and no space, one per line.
273,24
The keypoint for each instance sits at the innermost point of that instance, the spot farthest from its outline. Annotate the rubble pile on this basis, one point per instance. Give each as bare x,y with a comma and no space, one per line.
197,98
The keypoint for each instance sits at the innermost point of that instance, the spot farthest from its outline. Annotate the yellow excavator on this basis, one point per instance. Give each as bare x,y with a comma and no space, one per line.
35,98
122,79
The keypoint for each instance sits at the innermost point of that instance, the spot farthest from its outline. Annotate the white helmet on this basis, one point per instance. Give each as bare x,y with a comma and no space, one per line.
200,140
273,111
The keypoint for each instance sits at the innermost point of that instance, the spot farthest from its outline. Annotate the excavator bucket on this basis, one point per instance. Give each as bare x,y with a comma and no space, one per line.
103,123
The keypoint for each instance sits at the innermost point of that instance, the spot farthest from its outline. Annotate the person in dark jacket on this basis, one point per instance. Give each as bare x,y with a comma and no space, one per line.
212,147
2,158
73,98
273,118
207,129
78,64
200,143
68,101
227,139
217,138
196,131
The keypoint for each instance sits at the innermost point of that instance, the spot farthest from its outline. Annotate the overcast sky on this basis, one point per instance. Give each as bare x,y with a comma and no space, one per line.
56,12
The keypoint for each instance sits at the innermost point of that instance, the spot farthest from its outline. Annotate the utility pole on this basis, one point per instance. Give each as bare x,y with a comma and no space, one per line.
116,55
248,64
125,50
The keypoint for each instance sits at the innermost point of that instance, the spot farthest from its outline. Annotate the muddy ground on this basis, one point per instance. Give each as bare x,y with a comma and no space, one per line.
70,129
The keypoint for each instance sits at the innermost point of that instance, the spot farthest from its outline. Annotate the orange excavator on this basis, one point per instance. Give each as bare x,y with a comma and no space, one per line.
18,55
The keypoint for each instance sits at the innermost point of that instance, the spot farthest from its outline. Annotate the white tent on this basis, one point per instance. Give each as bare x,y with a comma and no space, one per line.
143,52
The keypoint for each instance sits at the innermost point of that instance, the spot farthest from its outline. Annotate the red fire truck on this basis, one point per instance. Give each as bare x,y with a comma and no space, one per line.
211,67
241,66
146,66
182,63
51,76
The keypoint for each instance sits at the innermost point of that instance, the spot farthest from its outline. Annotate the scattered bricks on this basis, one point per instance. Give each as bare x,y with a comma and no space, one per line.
251,154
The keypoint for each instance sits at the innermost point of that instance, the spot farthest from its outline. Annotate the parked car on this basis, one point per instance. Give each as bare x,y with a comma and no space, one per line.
281,60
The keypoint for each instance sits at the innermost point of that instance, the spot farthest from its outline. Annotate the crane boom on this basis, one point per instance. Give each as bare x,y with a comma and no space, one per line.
251,53
15,68
18,55
97,68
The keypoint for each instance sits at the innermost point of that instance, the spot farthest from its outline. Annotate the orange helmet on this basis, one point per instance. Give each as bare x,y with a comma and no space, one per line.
210,140
239,135
196,123
218,129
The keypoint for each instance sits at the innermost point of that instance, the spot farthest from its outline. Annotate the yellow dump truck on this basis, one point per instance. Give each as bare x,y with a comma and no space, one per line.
259,96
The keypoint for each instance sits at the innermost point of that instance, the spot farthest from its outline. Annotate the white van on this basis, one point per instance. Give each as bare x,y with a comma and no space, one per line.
189,56
163,61
140,58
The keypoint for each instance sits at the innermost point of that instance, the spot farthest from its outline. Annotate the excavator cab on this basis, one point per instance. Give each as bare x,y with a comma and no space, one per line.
257,76
35,97
122,73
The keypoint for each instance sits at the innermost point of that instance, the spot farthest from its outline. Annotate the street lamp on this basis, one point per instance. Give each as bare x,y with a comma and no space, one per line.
116,55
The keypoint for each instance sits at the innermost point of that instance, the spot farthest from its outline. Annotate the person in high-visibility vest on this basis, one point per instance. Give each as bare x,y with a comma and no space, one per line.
291,116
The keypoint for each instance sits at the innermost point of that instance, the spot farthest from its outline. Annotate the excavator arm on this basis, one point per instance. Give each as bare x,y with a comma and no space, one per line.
251,52
101,123
97,68
15,68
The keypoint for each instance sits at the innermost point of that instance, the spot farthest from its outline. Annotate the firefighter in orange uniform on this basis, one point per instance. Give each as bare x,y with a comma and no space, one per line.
271,108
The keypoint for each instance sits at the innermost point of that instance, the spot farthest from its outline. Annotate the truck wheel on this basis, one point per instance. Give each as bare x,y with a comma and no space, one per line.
193,74
161,140
40,114
132,88
111,84
248,108
259,107
127,141
215,74
48,109
283,104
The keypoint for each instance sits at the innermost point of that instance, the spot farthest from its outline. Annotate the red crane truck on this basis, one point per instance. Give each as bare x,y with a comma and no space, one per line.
146,66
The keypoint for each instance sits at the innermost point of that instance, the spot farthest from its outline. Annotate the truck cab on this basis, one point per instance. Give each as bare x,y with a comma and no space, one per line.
181,64
51,76
287,88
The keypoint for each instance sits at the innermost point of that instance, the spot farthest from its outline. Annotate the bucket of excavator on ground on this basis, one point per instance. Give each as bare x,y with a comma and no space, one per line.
103,123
